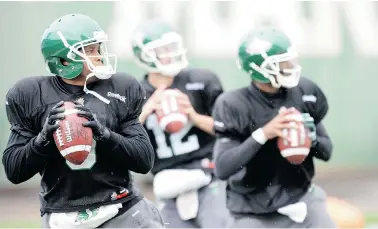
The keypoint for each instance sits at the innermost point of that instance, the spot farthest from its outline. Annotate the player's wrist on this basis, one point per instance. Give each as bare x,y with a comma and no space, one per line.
197,119
146,111
41,139
143,117
259,136
39,147
104,135
193,116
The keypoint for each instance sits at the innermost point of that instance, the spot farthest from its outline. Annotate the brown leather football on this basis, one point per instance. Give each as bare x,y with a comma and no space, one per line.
298,145
73,140
170,117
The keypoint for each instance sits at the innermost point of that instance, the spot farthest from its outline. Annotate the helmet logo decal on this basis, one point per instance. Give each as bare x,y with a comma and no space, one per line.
258,46
100,35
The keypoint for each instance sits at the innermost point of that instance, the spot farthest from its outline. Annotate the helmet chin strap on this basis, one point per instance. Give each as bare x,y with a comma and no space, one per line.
87,91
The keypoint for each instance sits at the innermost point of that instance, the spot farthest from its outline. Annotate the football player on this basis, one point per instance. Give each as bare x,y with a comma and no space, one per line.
263,188
183,159
100,191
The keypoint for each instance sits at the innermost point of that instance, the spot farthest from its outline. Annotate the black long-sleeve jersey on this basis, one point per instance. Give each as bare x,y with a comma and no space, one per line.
104,177
185,148
260,180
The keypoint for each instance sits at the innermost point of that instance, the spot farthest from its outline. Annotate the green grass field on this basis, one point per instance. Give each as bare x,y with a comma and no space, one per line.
371,219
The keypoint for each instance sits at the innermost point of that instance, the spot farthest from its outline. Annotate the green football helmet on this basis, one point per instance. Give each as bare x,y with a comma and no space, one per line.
267,55
65,39
158,48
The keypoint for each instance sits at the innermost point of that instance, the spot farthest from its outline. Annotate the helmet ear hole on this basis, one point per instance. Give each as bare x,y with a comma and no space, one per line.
63,62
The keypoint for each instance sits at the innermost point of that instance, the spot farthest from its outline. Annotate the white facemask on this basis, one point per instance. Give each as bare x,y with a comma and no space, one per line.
270,69
156,51
109,60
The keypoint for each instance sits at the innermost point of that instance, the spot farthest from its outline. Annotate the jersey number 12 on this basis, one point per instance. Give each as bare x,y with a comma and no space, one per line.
178,146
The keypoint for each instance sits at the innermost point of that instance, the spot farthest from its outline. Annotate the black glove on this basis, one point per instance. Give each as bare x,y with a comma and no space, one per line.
46,134
100,132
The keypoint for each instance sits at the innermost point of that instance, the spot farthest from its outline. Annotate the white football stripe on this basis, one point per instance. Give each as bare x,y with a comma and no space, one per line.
76,148
165,107
302,135
285,133
295,151
70,111
294,136
172,117
174,105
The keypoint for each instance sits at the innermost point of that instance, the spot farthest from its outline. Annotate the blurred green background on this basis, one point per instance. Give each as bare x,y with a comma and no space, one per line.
336,41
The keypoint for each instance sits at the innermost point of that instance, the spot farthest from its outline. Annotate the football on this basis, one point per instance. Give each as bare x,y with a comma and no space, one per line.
73,140
298,145
171,119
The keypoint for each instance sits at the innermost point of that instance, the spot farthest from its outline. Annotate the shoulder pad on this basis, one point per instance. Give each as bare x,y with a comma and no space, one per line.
314,99
230,116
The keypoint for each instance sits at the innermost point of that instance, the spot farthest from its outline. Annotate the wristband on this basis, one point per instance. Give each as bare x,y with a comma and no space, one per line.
259,136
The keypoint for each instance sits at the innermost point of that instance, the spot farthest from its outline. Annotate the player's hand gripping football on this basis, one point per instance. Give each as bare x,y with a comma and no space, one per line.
56,113
184,102
282,121
100,132
152,103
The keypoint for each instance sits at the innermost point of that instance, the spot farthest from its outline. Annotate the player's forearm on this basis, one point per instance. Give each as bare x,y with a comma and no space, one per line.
230,156
143,116
135,150
323,144
147,109
203,122
22,160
